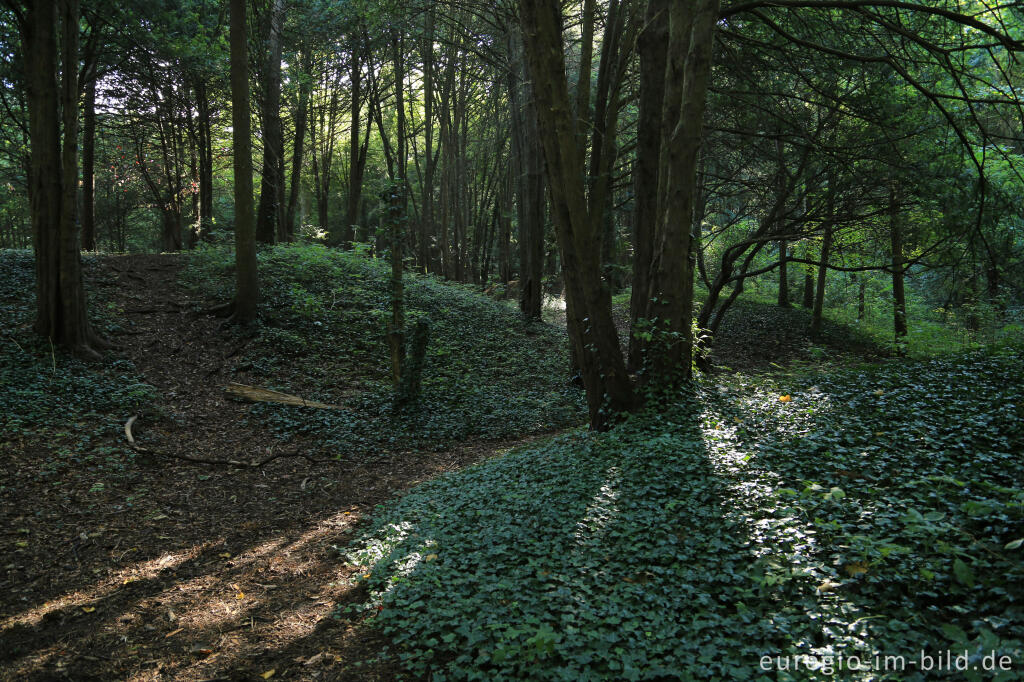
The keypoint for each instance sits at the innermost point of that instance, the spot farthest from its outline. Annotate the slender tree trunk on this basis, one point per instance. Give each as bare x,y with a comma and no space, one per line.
301,112
205,161
808,287
396,326
357,154
783,273
269,218
819,294
247,277
899,301
653,56
528,162
88,165
428,248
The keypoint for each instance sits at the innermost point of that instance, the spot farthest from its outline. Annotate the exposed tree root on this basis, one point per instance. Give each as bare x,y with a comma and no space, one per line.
254,464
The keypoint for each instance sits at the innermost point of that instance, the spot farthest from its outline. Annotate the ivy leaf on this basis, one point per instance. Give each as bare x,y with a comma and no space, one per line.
963,573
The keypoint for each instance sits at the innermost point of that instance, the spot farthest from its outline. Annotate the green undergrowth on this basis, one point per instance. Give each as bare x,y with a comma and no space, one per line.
321,335
854,514
47,398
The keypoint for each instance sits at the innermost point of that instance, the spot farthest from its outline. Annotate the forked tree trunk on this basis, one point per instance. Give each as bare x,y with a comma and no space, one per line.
246,275
591,330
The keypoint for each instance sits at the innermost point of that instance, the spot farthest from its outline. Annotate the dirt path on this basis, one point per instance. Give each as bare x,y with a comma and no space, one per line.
171,570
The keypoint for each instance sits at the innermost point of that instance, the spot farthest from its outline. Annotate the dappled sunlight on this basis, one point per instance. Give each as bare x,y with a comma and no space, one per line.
210,615
143,570
600,512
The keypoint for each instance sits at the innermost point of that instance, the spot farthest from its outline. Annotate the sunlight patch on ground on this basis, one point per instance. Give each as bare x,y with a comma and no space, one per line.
145,570
209,610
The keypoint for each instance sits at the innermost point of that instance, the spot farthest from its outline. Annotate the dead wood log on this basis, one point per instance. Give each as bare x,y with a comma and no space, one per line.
257,394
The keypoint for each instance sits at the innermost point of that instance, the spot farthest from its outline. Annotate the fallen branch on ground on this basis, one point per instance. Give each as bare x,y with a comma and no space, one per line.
255,464
265,395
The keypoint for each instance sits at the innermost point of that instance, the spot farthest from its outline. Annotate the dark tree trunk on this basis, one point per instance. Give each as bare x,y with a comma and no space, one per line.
247,277
899,301
819,294
783,274
591,329
269,215
88,165
808,288
653,58
301,112
528,164
357,154
688,70
53,175
204,131
428,248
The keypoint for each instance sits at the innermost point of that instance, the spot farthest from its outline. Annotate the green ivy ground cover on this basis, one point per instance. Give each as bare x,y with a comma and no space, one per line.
78,408
322,322
855,516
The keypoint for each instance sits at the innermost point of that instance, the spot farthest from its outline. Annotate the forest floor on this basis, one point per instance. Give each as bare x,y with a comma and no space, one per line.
174,564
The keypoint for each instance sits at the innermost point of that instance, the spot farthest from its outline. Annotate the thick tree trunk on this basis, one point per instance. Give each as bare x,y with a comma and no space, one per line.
691,33
247,277
88,165
53,175
269,215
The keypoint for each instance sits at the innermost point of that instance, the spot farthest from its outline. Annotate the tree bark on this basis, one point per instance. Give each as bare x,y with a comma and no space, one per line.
270,214
688,70
819,294
531,204
247,277
205,126
783,274
357,153
651,48
89,164
591,329
899,300
61,308
301,112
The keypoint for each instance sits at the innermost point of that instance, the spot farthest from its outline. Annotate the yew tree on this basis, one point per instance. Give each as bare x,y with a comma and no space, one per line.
52,97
